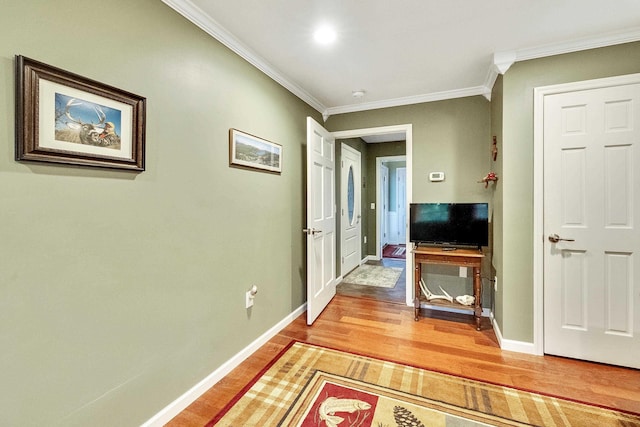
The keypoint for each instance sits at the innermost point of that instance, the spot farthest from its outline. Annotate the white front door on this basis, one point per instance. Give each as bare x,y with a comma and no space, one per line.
321,219
350,219
591,218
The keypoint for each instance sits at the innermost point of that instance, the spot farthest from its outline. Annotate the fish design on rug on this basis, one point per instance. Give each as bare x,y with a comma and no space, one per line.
331,405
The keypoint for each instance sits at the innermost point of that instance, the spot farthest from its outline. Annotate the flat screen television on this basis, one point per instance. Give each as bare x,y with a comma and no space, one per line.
449,224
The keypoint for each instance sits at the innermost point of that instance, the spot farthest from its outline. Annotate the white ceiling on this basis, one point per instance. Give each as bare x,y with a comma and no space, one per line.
405,51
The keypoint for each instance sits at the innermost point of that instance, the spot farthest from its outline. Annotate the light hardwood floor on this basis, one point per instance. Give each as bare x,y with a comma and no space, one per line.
444,342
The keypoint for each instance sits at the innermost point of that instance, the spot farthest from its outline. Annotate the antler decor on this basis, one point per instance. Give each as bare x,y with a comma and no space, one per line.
431,296
462,299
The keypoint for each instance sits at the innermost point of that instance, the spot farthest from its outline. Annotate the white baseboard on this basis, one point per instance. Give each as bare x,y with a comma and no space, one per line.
511,345
181,403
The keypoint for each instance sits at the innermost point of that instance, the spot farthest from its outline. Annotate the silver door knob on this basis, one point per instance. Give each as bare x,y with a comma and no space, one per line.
554,238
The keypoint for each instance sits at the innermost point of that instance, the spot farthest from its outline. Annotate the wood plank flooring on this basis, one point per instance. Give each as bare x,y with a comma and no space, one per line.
440,341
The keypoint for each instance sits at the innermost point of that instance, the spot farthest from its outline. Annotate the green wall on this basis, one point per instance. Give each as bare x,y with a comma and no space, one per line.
516,263
120,291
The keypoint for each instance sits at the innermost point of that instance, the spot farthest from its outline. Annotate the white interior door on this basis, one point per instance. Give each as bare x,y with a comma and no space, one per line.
401,203
592,204
321,219
350,219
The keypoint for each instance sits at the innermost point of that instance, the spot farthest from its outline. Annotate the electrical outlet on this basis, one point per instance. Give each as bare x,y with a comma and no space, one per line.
248,299
365,240
495,283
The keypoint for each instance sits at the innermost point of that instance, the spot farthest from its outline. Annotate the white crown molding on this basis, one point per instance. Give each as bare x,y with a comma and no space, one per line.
576,45
408,100
501,62
198,17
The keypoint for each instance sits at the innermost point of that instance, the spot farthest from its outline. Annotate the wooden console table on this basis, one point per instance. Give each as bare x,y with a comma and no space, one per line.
458,257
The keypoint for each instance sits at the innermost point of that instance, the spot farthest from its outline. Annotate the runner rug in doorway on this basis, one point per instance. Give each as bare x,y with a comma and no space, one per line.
307,385
374,275
394,251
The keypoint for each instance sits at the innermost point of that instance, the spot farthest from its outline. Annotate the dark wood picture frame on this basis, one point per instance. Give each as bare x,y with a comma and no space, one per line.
65,118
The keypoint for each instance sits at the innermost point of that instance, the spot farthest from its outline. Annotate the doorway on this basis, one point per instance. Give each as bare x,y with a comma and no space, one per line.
393,133
391,202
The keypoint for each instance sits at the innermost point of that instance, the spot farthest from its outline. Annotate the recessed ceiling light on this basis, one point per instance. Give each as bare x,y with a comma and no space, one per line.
358,93
324,35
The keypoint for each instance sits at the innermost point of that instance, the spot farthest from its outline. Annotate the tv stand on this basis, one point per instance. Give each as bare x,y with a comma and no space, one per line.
444,256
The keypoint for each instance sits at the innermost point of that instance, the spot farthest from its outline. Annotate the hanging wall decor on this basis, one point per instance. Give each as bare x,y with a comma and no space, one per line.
248,151
65,118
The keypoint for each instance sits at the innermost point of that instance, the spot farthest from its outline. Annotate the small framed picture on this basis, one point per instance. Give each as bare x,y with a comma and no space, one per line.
248,151
65,118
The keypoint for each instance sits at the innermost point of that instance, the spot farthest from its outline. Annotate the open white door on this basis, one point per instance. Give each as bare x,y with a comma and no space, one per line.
591,217
321,219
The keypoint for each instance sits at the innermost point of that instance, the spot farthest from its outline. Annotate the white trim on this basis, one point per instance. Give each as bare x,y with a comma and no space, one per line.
178,405
210,26
407,100
203,21
511,345
578,45
408,132
538,187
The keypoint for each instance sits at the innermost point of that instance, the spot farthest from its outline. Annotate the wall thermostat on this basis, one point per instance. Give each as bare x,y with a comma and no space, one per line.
436,176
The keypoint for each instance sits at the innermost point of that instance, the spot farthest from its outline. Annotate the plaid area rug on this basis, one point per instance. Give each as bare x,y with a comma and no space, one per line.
308,385
374,275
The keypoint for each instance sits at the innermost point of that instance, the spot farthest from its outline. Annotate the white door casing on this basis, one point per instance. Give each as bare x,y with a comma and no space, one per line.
351,212
591,197
321,219
407,130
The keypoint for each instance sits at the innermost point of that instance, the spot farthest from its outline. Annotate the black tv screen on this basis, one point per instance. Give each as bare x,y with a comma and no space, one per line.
455,224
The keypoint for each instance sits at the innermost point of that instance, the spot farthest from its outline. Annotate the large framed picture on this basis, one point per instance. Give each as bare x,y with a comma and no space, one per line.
248,151
65,118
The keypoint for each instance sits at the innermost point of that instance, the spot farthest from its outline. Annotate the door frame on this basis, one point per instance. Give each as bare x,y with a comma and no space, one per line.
383,130
379,212
539,94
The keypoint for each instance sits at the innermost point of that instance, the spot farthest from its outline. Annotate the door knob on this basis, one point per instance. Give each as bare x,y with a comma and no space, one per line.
554,238
311,231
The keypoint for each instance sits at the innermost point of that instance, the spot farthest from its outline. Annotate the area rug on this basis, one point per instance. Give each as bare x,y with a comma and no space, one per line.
394,251
307,385
374,275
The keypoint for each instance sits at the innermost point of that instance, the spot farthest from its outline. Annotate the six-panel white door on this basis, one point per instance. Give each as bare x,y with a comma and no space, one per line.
591,219
321,219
